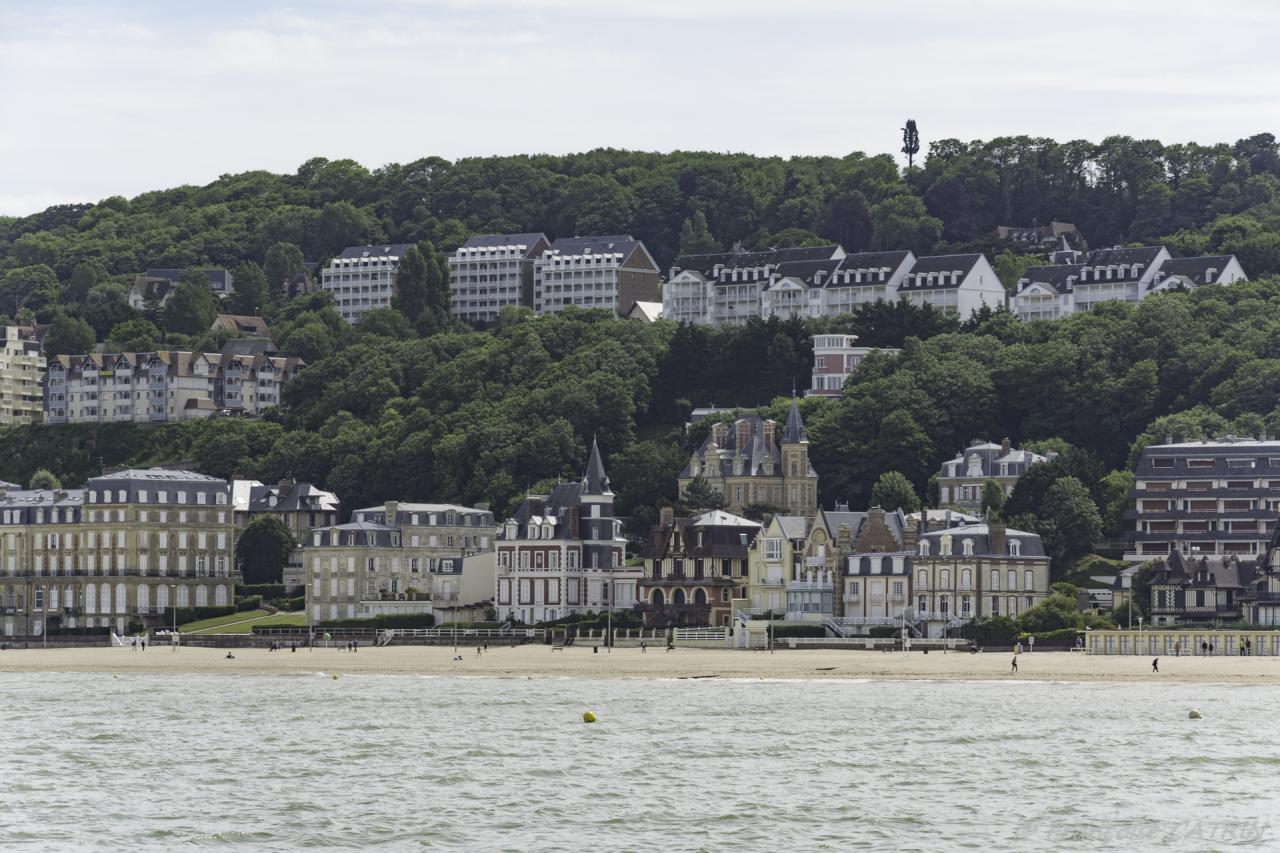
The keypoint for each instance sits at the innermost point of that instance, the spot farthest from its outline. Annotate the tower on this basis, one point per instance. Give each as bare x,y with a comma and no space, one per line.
799,480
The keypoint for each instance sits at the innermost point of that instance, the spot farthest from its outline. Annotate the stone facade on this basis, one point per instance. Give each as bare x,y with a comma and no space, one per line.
123,550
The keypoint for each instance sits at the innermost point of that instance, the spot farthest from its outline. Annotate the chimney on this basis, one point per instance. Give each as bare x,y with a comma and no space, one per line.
996,537
666,516
1005,446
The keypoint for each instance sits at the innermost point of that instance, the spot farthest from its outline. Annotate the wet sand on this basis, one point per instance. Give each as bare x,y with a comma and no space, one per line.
541,661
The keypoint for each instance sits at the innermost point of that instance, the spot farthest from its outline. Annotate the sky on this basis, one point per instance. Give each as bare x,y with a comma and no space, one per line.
118,98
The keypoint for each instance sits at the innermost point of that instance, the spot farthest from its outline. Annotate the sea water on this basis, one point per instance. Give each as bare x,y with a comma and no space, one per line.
151,762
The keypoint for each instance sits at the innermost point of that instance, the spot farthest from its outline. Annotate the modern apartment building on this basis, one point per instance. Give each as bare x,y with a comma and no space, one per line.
694,568
493,271
160,387
835,357
363,278
402,558
563,553
121,551
1204,498
960,480
612,272
747,462
21,377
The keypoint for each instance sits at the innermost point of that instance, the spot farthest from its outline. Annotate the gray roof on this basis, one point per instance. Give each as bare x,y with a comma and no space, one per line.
383,250
1196,269
961,264
794,432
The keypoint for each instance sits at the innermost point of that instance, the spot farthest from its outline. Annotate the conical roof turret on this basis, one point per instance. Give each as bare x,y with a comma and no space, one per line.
793,432
595,480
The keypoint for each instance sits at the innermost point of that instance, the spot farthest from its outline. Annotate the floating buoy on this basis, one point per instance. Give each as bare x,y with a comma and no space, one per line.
1194,715
588,717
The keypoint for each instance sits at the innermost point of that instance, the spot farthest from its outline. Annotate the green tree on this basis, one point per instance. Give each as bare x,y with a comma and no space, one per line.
68,336
43,478
699,497
1069,523
190,309
134,336
993,496
263,549
695,236
894,491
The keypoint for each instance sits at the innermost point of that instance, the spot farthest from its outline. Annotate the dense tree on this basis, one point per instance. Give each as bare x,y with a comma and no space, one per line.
262,549
894,491
68,336
43,478
190,308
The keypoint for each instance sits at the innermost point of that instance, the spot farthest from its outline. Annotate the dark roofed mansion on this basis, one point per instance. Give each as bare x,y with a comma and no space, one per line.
747,462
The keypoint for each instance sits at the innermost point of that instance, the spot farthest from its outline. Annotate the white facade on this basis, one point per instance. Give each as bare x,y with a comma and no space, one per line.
362,278
955,284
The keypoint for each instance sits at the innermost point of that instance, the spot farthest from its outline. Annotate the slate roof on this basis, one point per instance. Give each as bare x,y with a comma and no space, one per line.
980,534
1060,277
384,250
1196,269
916,279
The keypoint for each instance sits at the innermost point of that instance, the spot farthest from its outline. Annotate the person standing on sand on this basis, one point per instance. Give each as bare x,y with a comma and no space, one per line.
1155,665
1015,665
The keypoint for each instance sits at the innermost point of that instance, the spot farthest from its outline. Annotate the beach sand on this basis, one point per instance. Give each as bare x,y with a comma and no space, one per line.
540,661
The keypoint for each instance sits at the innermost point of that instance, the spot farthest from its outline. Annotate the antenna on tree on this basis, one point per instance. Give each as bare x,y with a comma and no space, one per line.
910,141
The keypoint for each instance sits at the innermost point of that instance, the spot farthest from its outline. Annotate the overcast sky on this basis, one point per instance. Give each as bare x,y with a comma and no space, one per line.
117,98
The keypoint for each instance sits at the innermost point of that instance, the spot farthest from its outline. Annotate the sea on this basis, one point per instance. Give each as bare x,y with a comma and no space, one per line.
303,762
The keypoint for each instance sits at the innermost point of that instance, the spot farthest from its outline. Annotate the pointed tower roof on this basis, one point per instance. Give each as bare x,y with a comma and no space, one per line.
793,432
595,480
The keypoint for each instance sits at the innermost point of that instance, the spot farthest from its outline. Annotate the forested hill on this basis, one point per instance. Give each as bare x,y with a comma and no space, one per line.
1222,198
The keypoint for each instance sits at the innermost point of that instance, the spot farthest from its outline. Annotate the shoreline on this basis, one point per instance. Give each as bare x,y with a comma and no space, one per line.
693,664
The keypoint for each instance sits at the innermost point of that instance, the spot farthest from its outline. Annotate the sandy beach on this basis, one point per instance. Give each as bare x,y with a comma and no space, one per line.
540,661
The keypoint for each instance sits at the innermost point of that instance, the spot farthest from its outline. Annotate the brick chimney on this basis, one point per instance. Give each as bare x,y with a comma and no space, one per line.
996,537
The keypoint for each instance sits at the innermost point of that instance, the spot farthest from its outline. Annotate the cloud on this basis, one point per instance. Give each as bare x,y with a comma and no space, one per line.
123,98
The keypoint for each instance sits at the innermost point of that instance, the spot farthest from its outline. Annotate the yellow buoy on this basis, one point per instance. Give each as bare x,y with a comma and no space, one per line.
1194,715
588,717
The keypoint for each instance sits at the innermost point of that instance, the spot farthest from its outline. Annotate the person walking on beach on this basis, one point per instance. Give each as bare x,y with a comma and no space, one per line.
1155,665
1015,665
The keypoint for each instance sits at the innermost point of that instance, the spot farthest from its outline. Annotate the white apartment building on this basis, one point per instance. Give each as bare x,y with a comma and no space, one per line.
21,377
835,357
1127,275
956,284
159,387
611,272
363,278
493,271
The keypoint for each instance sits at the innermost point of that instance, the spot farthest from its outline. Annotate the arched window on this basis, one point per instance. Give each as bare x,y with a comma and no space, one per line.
967,547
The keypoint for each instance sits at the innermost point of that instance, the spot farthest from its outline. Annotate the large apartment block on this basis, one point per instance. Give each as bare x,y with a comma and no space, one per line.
120,551
1204,498
401,558
612,272
21,377
160,387
363,278
493,271
1076,283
